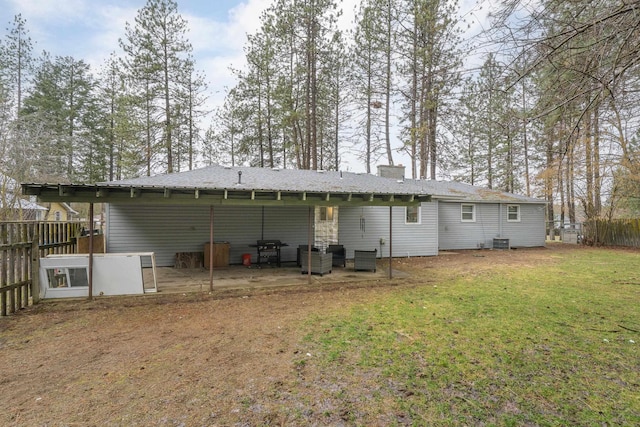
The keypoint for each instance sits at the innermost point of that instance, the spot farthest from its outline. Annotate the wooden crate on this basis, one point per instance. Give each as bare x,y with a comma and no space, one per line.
189,260
220,254
98,244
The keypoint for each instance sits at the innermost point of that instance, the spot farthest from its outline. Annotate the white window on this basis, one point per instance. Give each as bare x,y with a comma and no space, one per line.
67,277
326,213
412,215
513,213
468,213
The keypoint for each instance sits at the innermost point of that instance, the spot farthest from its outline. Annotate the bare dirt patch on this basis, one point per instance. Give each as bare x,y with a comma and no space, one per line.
193,359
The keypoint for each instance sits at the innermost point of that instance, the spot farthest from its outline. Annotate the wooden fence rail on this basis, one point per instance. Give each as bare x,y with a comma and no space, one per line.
619,232
21,246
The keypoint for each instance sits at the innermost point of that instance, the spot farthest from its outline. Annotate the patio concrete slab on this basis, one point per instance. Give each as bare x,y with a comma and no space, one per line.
174,280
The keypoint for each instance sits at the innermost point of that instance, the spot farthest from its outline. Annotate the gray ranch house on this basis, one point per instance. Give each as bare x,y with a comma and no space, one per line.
398,217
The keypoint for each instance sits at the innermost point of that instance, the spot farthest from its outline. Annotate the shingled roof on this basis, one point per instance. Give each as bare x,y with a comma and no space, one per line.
239,185
457,191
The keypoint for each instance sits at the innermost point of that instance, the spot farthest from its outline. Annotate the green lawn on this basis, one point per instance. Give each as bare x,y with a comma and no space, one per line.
555,344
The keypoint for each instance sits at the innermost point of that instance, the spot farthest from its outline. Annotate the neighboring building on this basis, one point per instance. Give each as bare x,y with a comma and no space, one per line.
14,207
167,214
57,211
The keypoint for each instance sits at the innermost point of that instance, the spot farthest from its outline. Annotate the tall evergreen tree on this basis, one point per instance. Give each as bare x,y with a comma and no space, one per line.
110,91
288,96
223,138
369,66
430,47
17,60
157,53
191,97
62,101
16,70
585,60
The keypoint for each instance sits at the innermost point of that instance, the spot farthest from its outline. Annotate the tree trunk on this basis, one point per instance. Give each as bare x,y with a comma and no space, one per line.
548,182
597,179
433,148
387,102
525,141
167,105
588,152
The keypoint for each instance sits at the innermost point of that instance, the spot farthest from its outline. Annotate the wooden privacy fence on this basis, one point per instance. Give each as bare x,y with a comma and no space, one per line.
618,232
21,246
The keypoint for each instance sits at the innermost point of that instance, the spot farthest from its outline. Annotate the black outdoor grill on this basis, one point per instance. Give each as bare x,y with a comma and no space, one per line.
269,251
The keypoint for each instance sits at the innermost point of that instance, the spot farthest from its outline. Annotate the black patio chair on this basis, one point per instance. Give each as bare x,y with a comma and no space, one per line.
339,255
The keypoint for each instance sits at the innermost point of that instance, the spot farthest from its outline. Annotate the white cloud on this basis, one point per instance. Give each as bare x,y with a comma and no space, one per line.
109,25
60,11
218,43
213,34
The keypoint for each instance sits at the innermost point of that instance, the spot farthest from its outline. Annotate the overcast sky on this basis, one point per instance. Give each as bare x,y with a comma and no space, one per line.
90,29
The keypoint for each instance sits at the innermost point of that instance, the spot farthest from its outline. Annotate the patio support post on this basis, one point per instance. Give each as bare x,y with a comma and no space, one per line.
309,245
35,266
90,251
211,248
390,240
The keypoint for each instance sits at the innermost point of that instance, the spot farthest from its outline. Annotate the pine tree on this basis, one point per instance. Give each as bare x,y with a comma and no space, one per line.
191,98
373,59
17,60
584,60
368,80
62,101
157,54
16,69
429,39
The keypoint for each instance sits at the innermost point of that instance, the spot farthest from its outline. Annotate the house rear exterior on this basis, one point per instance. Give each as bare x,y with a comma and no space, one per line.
457,216
490,221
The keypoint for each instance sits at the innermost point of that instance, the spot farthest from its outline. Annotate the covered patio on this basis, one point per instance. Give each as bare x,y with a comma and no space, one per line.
238,277
244,187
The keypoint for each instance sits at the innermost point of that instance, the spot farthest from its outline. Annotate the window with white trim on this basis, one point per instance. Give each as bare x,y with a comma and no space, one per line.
468,213
513,213
412,215
67,277
326,213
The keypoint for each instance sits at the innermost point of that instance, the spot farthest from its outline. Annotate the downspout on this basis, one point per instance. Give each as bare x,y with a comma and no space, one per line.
500,217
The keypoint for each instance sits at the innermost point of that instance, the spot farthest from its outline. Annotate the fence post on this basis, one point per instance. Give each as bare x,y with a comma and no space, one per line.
35,270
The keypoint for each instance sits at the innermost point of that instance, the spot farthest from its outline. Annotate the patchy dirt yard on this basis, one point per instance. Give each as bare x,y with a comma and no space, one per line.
193,359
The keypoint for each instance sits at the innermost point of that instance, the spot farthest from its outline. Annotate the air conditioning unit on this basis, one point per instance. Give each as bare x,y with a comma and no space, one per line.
499,243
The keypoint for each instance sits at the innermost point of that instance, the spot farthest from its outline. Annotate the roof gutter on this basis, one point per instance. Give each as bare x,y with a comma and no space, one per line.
101,193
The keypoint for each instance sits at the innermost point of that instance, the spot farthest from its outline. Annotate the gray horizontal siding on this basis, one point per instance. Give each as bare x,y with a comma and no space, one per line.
530,231
455,234
408,239
166,230
491,222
